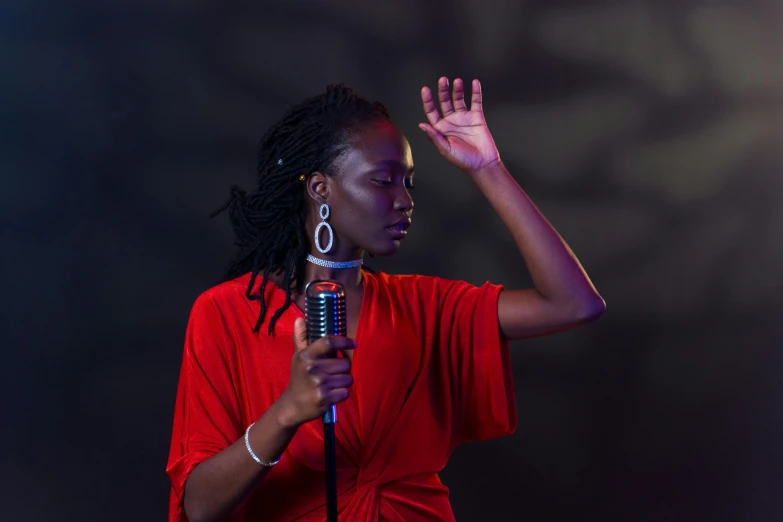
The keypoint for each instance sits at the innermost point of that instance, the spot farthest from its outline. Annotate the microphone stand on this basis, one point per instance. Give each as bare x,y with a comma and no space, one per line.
329,464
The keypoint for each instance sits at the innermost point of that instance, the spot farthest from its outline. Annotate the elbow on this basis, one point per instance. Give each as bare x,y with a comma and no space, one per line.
195,514
197,517
196,511
591,309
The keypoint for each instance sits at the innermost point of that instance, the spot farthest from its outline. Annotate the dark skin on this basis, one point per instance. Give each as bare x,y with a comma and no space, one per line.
367,194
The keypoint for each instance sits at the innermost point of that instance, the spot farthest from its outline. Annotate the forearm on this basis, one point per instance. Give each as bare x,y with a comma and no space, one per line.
557,274
217,486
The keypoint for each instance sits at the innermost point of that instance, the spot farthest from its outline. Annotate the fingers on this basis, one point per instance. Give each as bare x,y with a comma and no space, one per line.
335,389
459,95
331,366
450,102
335,382
335,396
317,380
300,334
444,97
328,346
327,381
330,388
429,106
475,98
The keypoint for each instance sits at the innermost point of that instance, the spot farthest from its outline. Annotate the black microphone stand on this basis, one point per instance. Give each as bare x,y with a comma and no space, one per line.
329,465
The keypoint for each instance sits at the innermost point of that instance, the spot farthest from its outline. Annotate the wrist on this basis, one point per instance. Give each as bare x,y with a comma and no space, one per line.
284,414
490,169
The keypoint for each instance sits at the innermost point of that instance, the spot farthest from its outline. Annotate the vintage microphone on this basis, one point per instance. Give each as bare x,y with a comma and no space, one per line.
325,315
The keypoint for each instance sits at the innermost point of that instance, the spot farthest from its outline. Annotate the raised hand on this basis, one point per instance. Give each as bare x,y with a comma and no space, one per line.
317,381
460,134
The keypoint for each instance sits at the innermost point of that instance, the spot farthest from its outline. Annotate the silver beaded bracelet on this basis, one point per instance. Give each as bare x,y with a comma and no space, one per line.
252,454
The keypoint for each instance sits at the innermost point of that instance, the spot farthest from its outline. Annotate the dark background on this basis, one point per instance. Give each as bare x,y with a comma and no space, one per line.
649,133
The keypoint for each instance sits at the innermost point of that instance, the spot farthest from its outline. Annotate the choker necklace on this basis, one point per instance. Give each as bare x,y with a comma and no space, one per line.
334,264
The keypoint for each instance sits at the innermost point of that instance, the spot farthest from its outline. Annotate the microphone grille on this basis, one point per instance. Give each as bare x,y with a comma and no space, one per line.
325,309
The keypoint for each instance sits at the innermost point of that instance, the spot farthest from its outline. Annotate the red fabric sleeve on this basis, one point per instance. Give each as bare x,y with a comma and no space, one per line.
207,411
477,357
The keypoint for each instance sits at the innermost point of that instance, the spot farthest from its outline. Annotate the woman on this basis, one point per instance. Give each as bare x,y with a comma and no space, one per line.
430,367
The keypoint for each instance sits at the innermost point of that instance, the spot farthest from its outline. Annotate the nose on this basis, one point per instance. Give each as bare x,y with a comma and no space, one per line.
404,202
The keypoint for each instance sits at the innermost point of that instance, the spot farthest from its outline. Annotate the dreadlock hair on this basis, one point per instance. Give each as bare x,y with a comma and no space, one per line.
269,223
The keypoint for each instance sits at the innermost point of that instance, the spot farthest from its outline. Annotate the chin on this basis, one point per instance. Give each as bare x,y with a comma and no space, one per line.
385,250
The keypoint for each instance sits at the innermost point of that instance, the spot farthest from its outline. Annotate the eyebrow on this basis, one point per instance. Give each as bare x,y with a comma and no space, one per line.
395,163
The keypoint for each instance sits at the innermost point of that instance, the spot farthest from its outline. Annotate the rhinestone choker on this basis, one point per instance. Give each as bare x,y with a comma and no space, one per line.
334,264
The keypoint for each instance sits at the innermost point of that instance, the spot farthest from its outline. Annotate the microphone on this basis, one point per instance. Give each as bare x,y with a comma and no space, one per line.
325,315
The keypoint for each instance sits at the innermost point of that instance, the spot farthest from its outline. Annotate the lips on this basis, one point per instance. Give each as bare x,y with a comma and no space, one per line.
402,224
400,229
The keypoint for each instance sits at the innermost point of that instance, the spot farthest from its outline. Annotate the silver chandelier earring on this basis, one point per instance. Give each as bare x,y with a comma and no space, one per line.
324,213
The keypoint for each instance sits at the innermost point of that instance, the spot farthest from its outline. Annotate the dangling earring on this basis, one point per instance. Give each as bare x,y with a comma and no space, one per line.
324,213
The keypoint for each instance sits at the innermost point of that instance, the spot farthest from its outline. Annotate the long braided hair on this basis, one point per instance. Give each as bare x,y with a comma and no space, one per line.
269,223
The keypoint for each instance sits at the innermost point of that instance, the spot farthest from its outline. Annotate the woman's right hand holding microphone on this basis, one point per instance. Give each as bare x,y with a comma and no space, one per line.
318,378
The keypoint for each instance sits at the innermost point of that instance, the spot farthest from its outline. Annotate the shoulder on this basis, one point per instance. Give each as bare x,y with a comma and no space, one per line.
221,296
226,291
424,282
218,315
424,287
433,292
403,282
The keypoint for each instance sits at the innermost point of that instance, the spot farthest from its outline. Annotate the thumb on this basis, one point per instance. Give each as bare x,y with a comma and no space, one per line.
300,334
437,139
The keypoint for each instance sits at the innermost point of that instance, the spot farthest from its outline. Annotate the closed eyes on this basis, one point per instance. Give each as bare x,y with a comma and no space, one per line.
388,183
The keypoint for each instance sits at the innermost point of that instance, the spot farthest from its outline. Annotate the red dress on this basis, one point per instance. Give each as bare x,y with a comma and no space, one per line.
430,371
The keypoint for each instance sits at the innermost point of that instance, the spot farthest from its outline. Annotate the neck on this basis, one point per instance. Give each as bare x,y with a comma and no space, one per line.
349,277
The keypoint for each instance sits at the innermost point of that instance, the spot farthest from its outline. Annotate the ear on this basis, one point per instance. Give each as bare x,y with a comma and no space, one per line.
318,187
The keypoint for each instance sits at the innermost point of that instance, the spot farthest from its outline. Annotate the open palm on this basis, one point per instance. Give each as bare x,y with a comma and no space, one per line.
460,134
